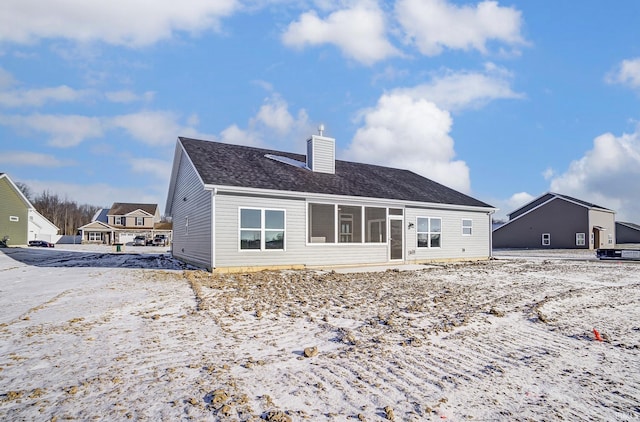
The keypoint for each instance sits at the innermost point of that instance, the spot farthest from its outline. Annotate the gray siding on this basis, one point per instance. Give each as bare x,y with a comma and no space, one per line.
11,205
296,252
626,234
562,219
454,245
299,252
192,203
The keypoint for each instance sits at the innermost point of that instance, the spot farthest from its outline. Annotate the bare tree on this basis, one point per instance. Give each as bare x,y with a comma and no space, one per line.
66,214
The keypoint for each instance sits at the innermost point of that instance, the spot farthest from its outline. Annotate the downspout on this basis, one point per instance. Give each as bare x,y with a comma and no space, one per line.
214,191
491,234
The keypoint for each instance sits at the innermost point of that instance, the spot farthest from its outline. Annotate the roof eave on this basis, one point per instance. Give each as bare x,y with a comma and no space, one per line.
333,197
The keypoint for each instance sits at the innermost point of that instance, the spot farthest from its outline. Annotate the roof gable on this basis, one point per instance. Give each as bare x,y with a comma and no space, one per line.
125,208
17,191
219,164
550,196
96,225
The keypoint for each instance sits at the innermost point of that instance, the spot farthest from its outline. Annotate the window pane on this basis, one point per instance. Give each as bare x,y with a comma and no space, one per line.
423,240
322,224
435,240
250,219
375,225
350,226
274,239
250,239
274,219
423,225
435,225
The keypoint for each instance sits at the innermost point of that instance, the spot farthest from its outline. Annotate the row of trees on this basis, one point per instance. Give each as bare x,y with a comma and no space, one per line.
64,213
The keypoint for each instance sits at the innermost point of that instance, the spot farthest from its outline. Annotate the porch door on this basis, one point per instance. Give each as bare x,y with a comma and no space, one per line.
396,243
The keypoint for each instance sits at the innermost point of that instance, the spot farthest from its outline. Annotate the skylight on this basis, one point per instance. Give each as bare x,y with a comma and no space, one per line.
287,160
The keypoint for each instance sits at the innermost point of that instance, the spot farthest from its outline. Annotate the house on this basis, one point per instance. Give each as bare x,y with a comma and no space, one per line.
236,208
627,232
557,221
123,222
19,220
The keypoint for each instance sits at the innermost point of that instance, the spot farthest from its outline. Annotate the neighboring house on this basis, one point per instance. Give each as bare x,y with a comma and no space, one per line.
627,232
19,220
557,222
236,207
124,221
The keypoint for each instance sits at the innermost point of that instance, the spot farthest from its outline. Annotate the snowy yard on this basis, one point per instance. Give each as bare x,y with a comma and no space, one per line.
90,334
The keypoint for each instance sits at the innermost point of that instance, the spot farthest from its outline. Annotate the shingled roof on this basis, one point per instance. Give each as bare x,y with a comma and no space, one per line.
123,208
221,164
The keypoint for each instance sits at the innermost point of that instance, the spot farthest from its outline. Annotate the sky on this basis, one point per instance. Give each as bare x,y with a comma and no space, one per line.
503,101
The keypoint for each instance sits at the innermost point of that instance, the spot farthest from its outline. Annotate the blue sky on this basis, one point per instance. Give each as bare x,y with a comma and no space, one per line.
501,100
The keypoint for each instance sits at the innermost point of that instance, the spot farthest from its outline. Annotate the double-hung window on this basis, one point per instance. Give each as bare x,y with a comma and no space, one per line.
580,239
546,239
139,221
118,220
467,227
429,232
94,236
262,229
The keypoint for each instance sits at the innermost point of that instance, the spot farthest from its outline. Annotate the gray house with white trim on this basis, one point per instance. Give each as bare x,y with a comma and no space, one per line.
555,221
237,208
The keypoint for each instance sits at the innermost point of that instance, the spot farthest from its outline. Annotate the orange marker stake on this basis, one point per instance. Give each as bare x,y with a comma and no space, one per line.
597,334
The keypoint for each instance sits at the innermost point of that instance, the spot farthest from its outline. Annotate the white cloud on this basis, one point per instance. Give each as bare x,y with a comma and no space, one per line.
32,159
63,130
506,206
234,135
149,127
120,22
38,97
404,132
126,96
436,24
274,114
6,79
627,73
273,126
160,169
606,175
358,31
459,90
548,173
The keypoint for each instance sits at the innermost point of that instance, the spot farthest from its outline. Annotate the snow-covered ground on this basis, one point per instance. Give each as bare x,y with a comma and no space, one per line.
88,334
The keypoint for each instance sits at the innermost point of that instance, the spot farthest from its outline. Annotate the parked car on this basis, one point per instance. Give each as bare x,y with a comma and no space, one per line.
139,241
42,243
160,240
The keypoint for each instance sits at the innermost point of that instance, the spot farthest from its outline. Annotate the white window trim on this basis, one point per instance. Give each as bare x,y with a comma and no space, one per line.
14,218
117,220
470,227
583,241
429,233
548,239
263,230
610,239
141,219
363,241
92,236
